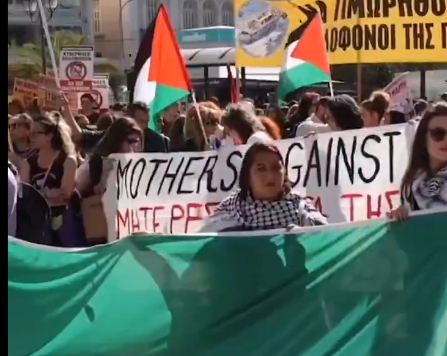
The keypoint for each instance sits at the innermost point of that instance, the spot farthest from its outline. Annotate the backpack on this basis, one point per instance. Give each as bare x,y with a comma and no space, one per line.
33,212
95,169
92,210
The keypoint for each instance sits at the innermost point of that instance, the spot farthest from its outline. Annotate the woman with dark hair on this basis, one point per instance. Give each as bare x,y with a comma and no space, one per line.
424,184
264,199
123,136
394,117
243,126
343,113
305,109
104,121
316,123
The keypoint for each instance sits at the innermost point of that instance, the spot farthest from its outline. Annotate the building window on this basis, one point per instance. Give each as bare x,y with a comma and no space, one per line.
152,10
190,18
209,13
96,16
227,14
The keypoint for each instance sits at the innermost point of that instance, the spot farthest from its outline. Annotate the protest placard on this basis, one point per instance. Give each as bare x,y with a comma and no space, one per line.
399,91
351,175
99,92
76,68
26,91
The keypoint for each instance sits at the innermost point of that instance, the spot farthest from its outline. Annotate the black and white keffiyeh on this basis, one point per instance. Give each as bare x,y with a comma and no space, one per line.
431,192
292,209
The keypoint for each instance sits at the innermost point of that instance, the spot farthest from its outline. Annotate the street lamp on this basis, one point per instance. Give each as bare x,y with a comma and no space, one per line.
122,6
32,7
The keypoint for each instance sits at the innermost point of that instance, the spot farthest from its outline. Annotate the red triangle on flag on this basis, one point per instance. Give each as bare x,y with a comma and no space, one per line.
167,66
311,46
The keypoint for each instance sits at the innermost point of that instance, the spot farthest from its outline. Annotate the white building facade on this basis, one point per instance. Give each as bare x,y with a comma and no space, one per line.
184,14
69,15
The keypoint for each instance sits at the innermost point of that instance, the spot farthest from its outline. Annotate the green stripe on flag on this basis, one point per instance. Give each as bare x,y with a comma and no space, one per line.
164,97
300,76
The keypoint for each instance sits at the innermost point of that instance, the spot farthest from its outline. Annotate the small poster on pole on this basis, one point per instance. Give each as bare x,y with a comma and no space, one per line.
76,68
99,92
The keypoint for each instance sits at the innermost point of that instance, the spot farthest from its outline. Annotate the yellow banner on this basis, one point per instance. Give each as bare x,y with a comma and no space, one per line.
357,31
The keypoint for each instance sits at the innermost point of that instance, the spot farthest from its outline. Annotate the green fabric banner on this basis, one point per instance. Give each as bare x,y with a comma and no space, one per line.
373,290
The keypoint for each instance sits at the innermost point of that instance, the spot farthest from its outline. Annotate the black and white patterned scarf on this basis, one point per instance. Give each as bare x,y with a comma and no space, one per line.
431,192
292,209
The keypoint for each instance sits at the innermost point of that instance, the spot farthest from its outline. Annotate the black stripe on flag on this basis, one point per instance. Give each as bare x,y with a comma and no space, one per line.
144,52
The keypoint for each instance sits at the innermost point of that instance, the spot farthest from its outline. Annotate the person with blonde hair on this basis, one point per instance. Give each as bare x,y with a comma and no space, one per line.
52,169
374,109
200,128
20,130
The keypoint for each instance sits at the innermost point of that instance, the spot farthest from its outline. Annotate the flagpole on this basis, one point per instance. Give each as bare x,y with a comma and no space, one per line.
238,82
202,127
359,70
331,88
49,43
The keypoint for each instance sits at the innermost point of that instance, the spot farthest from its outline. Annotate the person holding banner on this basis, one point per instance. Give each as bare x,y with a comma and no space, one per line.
123,136
424,185
264,200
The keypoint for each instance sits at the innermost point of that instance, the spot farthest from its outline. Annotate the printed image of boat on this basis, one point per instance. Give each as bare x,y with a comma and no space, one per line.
261,26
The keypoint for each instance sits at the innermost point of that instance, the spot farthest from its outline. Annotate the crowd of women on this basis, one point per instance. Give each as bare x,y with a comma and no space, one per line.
63,157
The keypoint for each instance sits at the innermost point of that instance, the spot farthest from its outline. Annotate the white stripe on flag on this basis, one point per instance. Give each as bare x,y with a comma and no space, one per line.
144,89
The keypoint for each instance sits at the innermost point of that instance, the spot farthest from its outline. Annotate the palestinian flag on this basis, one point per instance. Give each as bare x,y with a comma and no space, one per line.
162,78
306,61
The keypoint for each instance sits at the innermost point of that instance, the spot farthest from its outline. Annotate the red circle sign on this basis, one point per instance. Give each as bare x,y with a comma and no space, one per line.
98,97
76,71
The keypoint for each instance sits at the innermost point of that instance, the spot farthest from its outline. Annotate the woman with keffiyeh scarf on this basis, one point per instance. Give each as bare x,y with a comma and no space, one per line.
264,199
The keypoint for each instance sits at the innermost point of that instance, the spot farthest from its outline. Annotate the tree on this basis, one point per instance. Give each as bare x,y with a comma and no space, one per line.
30,56
32,53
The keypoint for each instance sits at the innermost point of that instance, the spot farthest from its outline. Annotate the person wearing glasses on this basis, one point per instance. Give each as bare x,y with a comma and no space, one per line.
424,185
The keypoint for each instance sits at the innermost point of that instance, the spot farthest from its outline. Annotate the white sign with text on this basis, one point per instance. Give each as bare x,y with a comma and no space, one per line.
351,176
76,68
400,94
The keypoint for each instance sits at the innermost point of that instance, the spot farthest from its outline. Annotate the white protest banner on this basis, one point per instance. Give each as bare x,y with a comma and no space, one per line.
351,175
399,91
76,68
99,92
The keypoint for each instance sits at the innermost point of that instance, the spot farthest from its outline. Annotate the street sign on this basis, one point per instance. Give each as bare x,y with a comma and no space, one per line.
76,68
